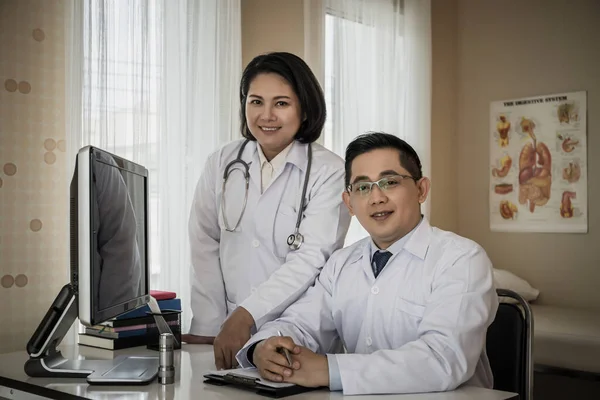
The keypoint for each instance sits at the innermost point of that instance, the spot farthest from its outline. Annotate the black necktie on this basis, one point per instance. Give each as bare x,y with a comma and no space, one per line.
380,258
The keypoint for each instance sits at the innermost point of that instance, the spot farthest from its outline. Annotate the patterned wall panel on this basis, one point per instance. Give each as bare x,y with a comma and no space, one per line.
33,177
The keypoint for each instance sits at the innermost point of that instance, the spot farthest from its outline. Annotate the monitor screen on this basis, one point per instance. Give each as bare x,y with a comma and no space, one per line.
109,198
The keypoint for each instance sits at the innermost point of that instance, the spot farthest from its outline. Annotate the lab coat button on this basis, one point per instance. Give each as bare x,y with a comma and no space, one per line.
253,290
374,290
369,341
255,243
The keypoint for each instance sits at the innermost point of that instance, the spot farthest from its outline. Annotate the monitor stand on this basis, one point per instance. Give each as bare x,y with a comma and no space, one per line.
45,360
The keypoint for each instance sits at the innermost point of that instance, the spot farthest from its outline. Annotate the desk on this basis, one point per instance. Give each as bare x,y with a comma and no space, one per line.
191,362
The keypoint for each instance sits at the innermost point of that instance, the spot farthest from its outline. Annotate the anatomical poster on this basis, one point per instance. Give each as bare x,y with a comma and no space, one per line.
538,166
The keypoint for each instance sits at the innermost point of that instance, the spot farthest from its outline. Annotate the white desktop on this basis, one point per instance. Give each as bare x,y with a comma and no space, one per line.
191,363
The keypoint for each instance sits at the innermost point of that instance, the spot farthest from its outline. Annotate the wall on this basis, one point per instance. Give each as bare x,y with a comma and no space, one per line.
444,139
269,25
33,189
513,49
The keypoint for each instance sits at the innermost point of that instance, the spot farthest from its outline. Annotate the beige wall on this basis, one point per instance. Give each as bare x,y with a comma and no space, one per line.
33,190
444,140
513,49
269,25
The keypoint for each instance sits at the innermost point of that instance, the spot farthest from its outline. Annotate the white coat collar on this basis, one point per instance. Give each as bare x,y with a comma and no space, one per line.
417,244
297,155
278,161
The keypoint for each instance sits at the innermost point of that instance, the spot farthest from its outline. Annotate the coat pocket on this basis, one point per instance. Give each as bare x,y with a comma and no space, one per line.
407,317
407,307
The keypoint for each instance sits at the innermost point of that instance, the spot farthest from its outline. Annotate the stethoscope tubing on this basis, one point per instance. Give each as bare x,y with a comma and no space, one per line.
303,198
246,168
228,167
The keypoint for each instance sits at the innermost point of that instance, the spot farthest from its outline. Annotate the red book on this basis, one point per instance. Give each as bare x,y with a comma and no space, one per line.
162,295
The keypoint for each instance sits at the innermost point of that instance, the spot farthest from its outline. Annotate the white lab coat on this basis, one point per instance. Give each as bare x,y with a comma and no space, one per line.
419,327
253,267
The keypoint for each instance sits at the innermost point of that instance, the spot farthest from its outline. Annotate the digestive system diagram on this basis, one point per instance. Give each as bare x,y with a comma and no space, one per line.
535,169
533,188
538,175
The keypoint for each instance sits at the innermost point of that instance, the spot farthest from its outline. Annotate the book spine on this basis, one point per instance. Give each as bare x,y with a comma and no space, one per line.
173,304
145,320
112,344
115,335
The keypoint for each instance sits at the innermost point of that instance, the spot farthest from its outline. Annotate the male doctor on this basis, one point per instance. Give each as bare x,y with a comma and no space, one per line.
411,304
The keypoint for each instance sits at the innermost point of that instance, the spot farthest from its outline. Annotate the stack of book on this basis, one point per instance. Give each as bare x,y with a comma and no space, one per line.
130,329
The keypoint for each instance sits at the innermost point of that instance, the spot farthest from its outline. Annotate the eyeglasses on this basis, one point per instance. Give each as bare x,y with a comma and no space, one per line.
386,183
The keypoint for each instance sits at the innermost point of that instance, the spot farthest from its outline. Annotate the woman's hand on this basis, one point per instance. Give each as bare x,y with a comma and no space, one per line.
235,332
270,362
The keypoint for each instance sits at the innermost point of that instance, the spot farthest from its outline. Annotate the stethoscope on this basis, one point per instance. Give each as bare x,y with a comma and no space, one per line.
296,239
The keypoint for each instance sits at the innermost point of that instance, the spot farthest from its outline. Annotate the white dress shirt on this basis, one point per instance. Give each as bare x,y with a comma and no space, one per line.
269,169
420,326
253,266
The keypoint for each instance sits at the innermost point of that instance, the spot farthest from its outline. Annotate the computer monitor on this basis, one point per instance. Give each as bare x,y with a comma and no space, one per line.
109,259
109,266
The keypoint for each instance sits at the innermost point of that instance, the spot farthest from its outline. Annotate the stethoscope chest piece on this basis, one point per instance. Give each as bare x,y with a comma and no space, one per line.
295,240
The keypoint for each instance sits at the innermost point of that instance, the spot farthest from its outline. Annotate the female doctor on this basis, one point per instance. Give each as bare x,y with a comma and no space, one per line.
267,211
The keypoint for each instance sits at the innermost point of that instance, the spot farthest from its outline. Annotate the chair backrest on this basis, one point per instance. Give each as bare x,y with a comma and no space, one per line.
509,346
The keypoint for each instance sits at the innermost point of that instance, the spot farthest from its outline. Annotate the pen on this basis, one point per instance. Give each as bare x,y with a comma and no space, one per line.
286,353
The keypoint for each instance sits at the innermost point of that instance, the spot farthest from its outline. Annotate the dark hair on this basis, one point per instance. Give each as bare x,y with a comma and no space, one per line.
304,83
379,140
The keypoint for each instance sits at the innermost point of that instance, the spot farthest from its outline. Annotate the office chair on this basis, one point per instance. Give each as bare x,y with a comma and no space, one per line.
509,346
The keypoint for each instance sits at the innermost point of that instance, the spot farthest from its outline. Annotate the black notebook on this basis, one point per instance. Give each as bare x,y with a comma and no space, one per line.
249,379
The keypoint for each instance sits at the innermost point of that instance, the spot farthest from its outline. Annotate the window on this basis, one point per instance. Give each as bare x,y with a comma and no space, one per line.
364,75
122,77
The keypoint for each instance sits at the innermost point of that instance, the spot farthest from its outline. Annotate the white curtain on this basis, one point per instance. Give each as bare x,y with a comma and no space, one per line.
155,82
377,63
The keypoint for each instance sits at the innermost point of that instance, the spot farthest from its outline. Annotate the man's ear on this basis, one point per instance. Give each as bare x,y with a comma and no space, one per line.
423,185
346,198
